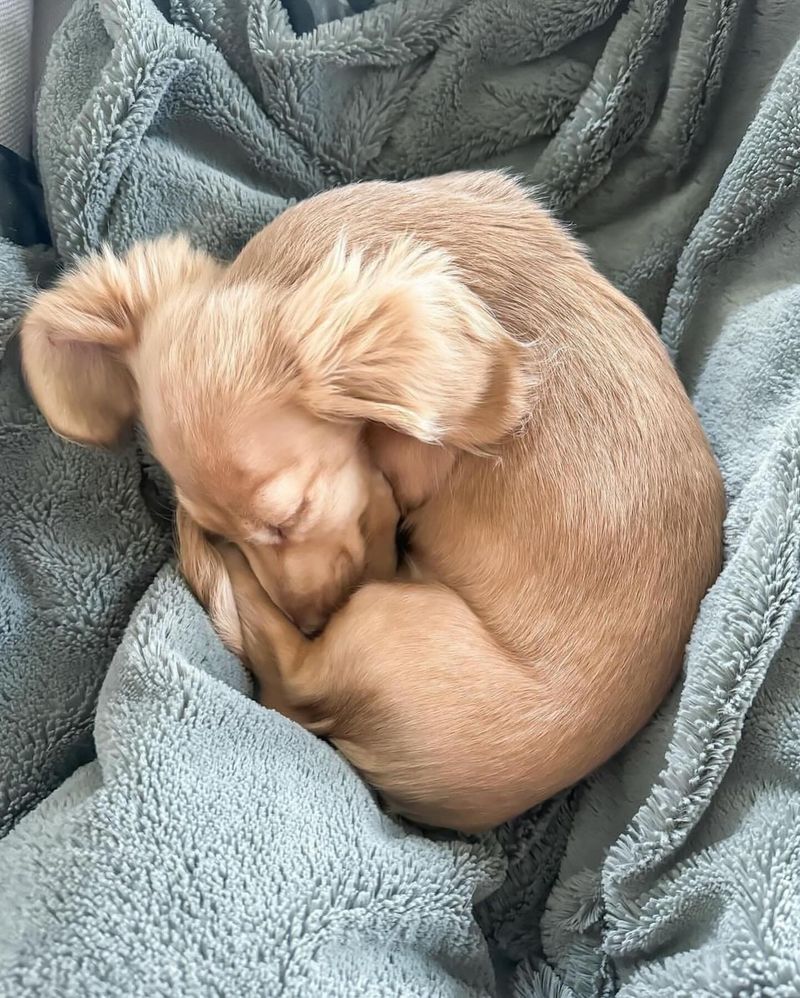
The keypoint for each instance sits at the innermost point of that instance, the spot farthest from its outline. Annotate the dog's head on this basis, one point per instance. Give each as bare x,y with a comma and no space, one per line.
254,394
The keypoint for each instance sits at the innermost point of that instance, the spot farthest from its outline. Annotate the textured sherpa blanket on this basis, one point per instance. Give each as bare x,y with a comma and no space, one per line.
170,837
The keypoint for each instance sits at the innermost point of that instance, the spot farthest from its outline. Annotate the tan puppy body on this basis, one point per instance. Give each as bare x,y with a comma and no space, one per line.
446,337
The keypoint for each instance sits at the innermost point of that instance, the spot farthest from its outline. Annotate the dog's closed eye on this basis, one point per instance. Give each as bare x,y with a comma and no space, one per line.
266,534
276,533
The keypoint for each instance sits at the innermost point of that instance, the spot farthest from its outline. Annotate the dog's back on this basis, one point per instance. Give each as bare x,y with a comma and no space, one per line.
586,542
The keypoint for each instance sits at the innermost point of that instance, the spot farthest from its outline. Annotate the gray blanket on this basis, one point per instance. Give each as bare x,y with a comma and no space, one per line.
212,847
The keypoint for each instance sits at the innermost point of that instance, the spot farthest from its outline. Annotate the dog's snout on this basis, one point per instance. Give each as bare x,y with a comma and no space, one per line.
311,617
316,583
312,613
309,580
313,627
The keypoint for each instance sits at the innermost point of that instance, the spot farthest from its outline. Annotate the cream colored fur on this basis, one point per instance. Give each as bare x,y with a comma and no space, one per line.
439,350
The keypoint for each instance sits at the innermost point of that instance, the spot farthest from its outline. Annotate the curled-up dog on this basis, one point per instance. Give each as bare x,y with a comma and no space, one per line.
439,351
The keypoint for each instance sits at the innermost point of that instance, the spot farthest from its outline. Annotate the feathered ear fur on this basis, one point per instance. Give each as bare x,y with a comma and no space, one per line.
204,569
75,337
401,340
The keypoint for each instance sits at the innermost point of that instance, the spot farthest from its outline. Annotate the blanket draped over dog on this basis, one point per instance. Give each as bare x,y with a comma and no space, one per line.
166,836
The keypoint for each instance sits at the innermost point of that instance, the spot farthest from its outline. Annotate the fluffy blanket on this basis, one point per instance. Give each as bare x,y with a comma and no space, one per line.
171,837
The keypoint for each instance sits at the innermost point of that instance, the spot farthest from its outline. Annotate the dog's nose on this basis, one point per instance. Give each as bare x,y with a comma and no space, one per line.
313,629
312,613
311,617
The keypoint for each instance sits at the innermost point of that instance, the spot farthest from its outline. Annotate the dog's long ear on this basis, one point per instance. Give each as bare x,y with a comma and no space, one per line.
204,569
75,337
401,340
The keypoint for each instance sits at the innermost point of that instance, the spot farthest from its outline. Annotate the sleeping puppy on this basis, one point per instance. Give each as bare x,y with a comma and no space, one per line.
443,351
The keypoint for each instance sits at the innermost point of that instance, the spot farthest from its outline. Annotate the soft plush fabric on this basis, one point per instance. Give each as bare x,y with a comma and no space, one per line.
16,17
214,848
